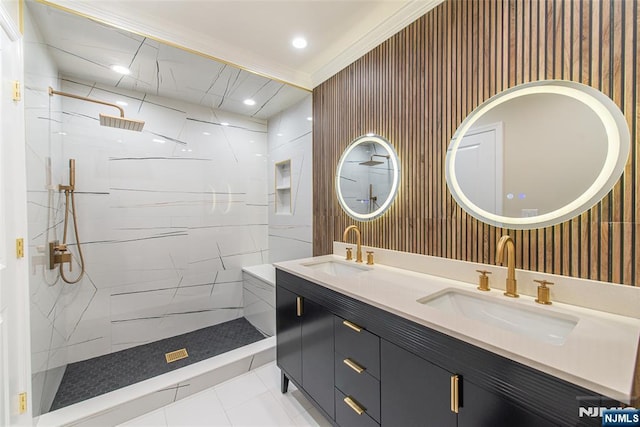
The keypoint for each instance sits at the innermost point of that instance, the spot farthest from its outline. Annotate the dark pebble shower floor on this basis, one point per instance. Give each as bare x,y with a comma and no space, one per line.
100,375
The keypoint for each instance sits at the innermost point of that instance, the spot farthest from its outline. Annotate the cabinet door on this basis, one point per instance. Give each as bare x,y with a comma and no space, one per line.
414,392
317,355
481,408
288,334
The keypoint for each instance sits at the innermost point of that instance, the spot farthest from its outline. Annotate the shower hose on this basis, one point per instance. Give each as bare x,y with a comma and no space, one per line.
70,194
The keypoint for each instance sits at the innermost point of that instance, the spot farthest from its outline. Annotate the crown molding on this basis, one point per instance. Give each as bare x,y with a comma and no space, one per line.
334,60
9,26
405,16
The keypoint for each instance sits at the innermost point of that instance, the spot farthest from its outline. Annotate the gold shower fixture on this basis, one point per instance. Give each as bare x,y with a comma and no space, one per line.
106,120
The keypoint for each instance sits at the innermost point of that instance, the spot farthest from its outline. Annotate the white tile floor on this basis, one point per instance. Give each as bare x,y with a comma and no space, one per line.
251,399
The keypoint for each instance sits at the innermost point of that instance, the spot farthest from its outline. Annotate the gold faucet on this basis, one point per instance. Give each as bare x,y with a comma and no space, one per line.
359,246
507,241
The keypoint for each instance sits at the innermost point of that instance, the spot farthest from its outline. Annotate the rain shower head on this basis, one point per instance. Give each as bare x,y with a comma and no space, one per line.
121,122
372,162
105,120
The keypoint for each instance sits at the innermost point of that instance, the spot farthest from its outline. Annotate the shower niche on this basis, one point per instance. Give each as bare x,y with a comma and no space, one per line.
283,187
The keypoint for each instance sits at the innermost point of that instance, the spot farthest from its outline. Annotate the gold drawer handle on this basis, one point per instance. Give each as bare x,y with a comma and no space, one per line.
353,365
353,405
352,326
454,394
299,306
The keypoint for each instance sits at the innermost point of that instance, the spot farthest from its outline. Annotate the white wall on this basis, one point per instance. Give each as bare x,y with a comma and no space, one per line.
290,236
167,217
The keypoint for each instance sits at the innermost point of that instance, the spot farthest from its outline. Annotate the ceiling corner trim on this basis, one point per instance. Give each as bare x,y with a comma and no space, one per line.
407,15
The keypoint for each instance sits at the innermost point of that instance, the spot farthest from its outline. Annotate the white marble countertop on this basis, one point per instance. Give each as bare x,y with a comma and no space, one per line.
599,353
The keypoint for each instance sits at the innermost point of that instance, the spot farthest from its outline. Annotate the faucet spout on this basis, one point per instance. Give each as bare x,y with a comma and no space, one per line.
512,288
358,241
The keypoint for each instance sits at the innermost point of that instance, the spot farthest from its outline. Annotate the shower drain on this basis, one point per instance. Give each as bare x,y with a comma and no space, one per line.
176,355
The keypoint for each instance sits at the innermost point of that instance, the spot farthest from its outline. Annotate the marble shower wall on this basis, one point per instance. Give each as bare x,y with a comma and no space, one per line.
167,217
290,235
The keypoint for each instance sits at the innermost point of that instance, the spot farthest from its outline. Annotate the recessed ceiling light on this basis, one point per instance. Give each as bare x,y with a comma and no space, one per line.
206,133
121,69
299,42
310,118
249,102
160,141
122,103
279,134
224,124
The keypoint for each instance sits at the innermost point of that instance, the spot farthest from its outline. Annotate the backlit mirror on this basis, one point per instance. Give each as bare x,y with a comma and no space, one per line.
537,154
367,177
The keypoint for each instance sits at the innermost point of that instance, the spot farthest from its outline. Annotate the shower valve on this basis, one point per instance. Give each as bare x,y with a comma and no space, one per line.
58,254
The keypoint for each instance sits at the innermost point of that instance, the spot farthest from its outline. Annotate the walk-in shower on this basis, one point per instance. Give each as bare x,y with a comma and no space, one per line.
167,215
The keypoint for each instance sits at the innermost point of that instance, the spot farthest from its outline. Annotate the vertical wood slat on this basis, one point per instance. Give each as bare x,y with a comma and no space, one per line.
417,87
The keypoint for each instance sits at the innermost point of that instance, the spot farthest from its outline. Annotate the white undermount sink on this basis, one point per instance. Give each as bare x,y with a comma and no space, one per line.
336,268
543,326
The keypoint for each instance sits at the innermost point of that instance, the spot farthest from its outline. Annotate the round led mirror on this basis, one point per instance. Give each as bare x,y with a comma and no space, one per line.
537,154
367,177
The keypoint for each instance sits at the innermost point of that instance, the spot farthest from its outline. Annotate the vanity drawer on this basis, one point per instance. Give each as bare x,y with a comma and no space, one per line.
361,386
358,344
346,416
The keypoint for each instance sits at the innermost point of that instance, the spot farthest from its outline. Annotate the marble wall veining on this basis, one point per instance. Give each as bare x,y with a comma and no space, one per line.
167,217
290,136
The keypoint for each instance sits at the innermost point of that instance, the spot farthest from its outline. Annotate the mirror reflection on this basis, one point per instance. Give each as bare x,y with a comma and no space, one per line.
537,154
367,177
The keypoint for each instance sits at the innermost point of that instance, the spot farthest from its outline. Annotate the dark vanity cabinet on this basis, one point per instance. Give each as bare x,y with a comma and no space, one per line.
414,392
305,346
365,367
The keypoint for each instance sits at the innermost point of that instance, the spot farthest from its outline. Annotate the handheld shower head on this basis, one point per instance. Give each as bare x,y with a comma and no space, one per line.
106,120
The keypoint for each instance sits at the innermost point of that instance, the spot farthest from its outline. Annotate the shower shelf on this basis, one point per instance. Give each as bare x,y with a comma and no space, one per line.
283,188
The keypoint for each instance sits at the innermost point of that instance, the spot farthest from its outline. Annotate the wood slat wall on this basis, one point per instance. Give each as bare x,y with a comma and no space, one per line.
417,87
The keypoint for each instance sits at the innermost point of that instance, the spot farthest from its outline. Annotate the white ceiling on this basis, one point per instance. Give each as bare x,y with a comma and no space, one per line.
256,34
84,50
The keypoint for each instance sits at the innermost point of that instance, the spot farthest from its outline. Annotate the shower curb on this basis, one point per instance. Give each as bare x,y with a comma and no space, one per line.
118,406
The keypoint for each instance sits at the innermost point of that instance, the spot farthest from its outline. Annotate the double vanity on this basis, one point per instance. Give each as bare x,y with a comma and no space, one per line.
382,345
413,340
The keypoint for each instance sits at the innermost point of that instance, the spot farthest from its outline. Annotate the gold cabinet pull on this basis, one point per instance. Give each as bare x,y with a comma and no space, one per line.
352,326
353,365
454,394
299,306
353,405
